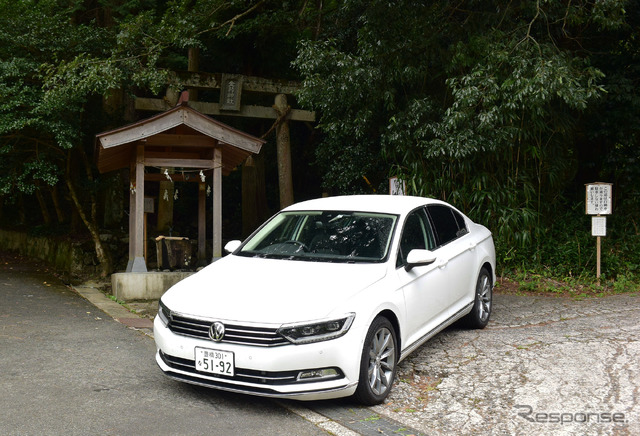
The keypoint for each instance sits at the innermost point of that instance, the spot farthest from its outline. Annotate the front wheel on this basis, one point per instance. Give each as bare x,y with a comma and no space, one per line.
478,318
378,363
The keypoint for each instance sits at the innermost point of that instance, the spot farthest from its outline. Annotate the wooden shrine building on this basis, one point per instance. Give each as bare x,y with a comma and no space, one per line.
180,139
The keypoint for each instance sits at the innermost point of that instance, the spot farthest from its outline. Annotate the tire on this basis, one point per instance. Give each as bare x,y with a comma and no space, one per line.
478,318
378,363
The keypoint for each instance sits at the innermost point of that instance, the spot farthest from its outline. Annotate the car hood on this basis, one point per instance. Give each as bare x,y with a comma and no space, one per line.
238,288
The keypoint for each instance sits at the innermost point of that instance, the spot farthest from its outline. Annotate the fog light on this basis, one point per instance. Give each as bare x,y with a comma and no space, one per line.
317,374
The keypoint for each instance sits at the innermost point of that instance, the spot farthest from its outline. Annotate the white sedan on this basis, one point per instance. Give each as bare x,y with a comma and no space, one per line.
327,297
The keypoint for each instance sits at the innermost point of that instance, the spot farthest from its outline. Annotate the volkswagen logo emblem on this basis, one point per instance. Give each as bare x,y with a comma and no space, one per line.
216,331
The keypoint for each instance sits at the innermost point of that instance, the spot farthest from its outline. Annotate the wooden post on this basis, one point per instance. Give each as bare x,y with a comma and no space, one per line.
146,251
132,215
283,146
217,204
202,224
139,264
598,253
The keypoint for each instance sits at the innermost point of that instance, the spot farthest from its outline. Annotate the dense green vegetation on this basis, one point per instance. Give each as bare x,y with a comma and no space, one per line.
505,109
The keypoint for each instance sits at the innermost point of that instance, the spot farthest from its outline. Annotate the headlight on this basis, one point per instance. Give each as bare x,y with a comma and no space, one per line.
316,331
164,313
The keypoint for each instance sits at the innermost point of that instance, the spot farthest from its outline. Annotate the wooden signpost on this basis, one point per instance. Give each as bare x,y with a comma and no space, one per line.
598,203
397,186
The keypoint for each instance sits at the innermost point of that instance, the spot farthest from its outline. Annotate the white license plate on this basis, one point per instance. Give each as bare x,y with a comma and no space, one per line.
214,361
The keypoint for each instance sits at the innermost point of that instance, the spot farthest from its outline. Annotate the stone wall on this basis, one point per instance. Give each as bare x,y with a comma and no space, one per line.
76,262
72,259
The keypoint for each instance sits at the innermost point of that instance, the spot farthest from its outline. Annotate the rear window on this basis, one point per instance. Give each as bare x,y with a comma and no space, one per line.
448,224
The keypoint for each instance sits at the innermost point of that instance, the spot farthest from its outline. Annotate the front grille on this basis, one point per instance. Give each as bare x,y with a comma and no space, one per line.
267,378
234,334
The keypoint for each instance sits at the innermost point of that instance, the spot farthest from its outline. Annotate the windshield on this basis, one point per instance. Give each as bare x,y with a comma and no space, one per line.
324,236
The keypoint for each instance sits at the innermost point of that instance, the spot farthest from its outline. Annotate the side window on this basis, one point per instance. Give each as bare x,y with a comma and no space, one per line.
462,226
448,224
415,234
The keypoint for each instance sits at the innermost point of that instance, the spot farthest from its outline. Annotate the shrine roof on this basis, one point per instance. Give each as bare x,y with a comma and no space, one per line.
181,135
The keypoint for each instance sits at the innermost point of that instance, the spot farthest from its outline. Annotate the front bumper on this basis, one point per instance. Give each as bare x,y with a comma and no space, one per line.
266,371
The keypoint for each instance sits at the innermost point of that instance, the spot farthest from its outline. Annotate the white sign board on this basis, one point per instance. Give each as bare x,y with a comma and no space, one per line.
599,199
598,226
397,186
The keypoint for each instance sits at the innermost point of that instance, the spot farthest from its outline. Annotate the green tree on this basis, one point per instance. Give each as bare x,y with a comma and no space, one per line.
478,103
59,59
49,116
502,108
38,136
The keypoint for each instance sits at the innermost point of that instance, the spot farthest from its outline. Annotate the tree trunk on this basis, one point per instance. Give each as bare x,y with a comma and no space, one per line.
56,204
89,221
43,206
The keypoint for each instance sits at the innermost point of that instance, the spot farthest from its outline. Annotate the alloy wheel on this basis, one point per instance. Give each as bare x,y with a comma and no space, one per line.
382,361
484,298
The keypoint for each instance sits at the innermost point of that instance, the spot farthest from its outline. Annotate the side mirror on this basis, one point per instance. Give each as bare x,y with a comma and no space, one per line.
232,246
417,257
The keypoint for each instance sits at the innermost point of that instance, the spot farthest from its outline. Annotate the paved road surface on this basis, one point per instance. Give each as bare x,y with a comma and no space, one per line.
543,366
68,369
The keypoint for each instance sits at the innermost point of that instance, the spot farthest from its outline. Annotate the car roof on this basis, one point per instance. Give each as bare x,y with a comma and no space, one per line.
395,204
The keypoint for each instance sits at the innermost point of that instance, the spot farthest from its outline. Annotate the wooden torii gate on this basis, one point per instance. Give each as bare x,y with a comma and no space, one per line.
231,88
180,137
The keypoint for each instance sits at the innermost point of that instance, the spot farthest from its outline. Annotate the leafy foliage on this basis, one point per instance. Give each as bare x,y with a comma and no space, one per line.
483,104
504,109
33,136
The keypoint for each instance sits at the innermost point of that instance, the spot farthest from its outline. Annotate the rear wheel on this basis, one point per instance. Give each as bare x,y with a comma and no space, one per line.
478,318
378,363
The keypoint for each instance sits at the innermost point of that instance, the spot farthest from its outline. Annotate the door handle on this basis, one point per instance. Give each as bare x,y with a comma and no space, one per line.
442,263
472,246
